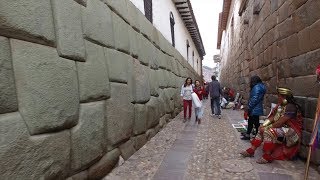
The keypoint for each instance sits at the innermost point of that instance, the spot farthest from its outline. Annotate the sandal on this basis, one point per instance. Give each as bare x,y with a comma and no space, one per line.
262,161
246,154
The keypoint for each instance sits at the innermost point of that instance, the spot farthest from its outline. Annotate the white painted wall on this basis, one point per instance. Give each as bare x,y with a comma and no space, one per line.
139,4
161,20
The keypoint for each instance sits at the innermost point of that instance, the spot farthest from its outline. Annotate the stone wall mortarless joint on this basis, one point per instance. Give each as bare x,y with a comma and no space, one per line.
281,40
82,85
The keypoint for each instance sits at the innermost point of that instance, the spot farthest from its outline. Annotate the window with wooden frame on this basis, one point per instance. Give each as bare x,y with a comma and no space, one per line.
243,7
198,68
193,59
148,10
188,45
172,23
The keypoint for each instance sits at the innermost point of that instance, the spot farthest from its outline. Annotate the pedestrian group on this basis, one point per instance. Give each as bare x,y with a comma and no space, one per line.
279,134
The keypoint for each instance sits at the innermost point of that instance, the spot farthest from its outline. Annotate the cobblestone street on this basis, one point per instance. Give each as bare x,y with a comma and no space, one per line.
206,151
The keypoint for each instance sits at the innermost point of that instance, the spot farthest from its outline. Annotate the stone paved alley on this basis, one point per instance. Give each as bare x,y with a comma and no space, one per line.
206,151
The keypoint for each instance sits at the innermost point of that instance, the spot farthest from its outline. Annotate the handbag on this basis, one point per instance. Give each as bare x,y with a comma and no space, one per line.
196,101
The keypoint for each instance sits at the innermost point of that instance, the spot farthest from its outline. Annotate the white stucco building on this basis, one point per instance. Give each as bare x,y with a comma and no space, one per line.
176,21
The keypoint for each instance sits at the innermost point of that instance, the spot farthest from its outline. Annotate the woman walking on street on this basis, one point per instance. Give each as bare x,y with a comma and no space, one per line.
255,107
186,91
199,90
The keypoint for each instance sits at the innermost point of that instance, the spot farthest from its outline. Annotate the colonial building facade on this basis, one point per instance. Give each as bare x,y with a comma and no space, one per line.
176,21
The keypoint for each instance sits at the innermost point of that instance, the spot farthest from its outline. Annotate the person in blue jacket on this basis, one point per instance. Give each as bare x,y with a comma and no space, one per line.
255,105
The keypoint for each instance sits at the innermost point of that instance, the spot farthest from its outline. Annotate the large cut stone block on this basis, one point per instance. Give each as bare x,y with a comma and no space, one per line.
87,138
140,119
308,124
306,137
82,2
97,23
170,60
139,141
118,65
80,176
153,112
308,81
174,68
36,157
304,64
168,97
154,59
93,75
179,68
120,114
27,20
121,33
310,108
134,42
133,15
162,104
140,85
162,42
172,79
120,7
161,59
47,87
315,155
150,134
105,165
154,83
147,51
166,76
67,19
127,149
292,46
161,74
314,34
304,40
162,121
177,98
155,37
145,25
8,97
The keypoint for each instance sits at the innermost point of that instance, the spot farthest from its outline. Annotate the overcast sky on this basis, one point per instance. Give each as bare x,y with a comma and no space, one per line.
207,15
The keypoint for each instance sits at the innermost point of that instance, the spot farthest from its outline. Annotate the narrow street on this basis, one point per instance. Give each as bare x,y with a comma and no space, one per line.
206,151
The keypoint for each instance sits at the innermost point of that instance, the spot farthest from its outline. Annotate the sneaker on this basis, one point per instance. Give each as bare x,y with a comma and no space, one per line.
211,115
219,116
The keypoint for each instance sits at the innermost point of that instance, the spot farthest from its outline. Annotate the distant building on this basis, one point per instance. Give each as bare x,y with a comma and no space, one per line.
176,21
207,73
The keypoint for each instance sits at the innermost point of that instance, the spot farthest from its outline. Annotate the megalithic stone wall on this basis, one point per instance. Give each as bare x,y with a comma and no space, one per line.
81,84
280,38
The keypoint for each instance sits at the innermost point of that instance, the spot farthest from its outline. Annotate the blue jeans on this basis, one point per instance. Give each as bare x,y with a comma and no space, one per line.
199,112
215,106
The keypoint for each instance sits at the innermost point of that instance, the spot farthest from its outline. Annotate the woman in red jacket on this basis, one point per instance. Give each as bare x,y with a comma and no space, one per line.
199,90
